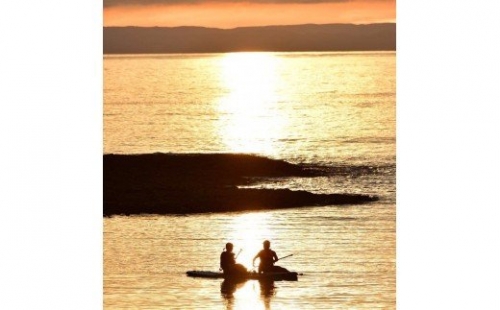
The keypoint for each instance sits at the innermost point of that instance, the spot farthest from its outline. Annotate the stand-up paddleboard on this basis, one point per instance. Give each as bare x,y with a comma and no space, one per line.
275,276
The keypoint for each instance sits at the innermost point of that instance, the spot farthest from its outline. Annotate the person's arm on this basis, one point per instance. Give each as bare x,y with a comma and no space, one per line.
254,258
275,257
221,261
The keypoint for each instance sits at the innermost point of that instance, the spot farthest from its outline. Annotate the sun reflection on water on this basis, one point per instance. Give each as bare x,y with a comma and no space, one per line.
247,232
251,295
251,120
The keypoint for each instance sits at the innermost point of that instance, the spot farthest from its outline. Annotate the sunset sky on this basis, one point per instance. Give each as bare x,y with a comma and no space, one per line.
231,14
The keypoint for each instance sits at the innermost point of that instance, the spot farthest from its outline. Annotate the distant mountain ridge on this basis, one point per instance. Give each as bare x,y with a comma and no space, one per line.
309,37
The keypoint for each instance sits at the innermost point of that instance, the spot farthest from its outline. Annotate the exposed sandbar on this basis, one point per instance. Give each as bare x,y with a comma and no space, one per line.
198,183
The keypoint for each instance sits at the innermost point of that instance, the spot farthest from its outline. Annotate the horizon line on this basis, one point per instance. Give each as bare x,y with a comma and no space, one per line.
263,26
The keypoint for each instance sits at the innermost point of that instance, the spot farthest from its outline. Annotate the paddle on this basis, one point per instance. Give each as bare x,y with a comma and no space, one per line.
284,257
238,254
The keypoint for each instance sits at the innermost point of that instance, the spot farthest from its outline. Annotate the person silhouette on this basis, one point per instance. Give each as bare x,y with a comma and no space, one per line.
267,259
228,262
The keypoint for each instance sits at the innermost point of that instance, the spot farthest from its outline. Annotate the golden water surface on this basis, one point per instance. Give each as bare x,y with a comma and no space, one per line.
327,109
299,106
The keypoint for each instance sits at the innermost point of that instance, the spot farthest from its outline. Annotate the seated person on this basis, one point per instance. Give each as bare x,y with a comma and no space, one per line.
267,259
228,262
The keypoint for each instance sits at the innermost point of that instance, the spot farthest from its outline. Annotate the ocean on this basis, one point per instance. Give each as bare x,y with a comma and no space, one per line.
335,112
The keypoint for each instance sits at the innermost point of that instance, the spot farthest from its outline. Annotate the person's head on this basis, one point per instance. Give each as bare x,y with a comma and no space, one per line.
267,244
229,246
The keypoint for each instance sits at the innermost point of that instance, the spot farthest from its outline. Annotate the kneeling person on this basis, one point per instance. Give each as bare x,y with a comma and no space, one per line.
267,259
228,262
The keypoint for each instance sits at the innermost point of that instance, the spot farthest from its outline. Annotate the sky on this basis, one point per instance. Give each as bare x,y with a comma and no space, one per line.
231,14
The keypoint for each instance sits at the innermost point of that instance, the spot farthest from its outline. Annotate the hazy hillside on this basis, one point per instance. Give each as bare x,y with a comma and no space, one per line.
331,37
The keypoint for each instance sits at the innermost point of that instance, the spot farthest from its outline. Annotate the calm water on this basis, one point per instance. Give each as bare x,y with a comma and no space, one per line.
334,110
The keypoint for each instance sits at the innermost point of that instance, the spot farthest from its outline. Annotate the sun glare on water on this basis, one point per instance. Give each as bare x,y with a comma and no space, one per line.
248,232
251,121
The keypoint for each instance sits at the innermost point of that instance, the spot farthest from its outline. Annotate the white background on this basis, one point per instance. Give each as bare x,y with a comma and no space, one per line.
448,97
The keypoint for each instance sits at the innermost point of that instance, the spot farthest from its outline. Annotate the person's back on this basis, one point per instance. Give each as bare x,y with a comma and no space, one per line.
267,259
228,262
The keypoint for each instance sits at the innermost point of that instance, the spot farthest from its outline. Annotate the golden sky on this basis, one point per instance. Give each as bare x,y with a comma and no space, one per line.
231,14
